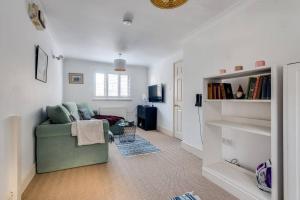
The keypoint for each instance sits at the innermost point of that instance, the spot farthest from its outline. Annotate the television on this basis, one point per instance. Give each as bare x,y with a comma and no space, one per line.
156,93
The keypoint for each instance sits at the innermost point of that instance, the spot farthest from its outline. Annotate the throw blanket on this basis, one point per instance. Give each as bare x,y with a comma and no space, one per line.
110,118
88,131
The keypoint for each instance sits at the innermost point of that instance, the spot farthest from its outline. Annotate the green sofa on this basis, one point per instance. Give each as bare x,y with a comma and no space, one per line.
56,149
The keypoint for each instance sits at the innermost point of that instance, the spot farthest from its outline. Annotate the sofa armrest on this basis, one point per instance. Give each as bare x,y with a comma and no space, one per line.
53,130
106,130
56,130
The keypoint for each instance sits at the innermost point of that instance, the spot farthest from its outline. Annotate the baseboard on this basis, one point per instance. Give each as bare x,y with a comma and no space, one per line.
28,178
165,131
192,149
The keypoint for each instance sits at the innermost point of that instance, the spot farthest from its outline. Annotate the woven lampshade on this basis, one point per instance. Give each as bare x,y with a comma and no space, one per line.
120,65
168,4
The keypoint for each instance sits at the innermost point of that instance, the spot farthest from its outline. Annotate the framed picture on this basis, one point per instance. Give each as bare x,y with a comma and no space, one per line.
75,78
41,64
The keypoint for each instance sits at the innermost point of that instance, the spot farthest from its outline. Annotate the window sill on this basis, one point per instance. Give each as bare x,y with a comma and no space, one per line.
112,99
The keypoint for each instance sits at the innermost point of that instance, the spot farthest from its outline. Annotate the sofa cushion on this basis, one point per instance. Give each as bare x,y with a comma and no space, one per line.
72,118
85,114
87,107
72,108
58,114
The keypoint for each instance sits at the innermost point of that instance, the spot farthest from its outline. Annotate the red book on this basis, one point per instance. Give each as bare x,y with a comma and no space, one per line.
258,94
256,87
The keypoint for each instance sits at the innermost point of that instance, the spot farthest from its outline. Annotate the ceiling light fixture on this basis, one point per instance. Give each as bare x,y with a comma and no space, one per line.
128,18
127,22
168,4
120,64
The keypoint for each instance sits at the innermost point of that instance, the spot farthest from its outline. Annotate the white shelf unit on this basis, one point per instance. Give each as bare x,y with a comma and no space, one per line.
244,127
241,180
260,118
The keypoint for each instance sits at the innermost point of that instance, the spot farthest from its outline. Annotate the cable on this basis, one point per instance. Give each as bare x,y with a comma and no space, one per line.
200,126
234,161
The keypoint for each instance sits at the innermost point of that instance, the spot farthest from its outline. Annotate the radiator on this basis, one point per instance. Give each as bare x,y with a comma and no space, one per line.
11,168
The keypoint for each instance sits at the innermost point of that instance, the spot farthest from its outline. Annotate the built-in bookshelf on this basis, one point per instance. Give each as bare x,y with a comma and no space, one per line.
258,118
239,100
253,87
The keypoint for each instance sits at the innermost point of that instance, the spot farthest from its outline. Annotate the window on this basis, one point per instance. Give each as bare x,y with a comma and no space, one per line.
112,85
100,85
124,88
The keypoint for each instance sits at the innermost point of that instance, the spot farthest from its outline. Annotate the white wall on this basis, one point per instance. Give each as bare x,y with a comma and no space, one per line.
266,30
162,72
86,92
20,93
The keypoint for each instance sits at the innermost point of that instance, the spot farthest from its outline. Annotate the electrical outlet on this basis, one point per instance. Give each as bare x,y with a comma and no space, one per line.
11,196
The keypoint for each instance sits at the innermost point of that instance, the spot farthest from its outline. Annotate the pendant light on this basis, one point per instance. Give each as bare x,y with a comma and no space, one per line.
120,64
168,4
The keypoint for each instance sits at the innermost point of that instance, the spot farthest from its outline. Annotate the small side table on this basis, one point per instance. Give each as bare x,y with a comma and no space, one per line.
128,132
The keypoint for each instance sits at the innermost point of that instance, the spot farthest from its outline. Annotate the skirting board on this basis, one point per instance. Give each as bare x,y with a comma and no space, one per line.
165,131
189,148
28,178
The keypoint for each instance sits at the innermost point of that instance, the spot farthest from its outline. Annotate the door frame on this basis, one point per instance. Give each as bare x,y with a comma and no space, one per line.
173,108
290,140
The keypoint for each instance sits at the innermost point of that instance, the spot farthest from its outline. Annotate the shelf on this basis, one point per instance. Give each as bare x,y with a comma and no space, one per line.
250,128
242,73
239,100
239,181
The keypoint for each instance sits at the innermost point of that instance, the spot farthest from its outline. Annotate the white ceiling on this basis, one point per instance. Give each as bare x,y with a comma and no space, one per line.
93,29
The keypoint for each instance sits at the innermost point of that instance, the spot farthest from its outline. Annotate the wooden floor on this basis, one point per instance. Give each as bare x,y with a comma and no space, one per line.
157,176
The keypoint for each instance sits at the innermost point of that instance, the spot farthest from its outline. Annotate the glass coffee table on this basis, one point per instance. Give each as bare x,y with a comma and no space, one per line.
128,130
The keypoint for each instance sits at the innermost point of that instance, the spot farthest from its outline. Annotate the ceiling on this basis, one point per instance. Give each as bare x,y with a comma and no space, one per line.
93,29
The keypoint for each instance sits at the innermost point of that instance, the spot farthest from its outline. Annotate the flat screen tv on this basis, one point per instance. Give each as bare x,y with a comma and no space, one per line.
156,93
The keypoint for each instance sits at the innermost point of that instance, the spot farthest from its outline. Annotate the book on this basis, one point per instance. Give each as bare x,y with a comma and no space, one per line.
214,91
264,88
219,91
228,91
251,87
209,91
223,92
256,87
269,87
258,95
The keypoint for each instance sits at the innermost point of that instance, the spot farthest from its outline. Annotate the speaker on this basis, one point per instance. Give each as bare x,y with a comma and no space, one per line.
198,100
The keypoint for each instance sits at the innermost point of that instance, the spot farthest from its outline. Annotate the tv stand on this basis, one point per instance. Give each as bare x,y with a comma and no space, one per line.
146,117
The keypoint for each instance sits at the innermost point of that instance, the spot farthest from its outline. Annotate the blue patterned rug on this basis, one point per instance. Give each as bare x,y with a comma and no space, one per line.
187,196
138,147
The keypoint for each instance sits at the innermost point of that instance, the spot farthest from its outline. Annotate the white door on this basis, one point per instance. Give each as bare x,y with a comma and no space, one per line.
291,94
177,110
